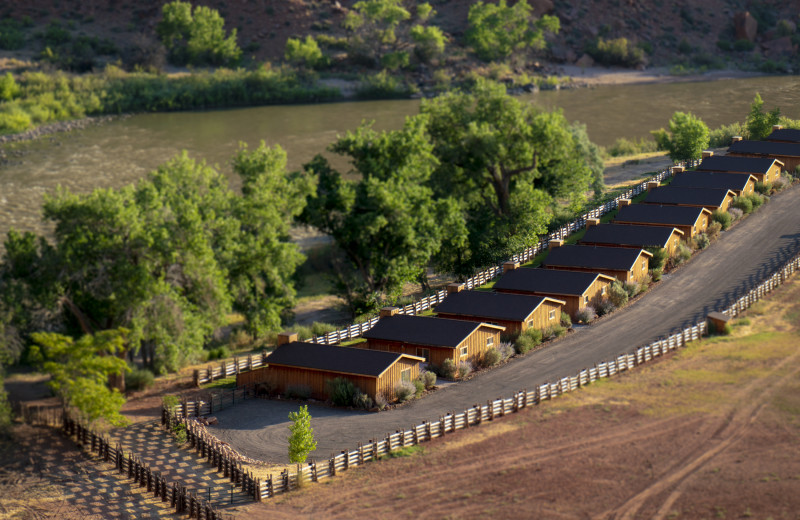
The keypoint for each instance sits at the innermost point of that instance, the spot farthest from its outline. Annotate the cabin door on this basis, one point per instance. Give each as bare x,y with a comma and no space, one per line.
424,353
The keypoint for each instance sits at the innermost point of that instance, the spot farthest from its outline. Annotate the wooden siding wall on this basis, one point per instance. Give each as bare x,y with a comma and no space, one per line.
388,381
789,164
594,292
541,316
475,343
252,377
574,303
726,203
511,326
621,275
640,274
701,224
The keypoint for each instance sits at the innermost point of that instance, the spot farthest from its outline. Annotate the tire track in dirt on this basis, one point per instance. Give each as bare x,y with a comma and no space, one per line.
729,430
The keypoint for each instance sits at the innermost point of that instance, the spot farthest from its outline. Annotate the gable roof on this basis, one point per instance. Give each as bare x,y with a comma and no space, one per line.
346,360
492,305
594,257
716,180
548,281
656,214
731,163
770,148
422,330
687,196
789,135
629,235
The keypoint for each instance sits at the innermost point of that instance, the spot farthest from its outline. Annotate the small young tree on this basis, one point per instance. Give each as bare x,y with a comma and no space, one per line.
304,53
196,36
497,31
759,124
686,139
301,436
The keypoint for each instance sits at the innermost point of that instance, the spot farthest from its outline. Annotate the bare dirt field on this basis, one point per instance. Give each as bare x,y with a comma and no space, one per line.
712,431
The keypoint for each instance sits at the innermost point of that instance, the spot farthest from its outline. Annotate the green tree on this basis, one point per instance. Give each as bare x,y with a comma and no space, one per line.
79,372
498,31
688,136
8,87
301,435
387,225
196,37
759,124
304,53
429,42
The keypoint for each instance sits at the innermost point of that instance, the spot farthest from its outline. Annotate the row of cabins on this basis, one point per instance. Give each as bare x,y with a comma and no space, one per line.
467,323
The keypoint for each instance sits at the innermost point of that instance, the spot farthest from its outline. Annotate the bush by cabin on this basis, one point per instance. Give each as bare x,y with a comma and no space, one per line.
626,265
688,219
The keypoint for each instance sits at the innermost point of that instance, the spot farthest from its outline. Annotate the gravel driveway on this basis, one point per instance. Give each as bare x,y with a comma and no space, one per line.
741,259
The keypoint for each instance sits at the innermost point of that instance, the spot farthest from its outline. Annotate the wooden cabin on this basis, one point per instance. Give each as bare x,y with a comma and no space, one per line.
433,339
688,219
739,184
787,153
577,289
633,236
626,265
312,365
784,135
516,312
709,198
764,169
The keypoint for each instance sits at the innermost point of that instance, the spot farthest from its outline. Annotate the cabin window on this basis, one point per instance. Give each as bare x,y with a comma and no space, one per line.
705,221
644,265
603,291
530,323
676,242
405,375
489,342
463,351
586,298
552,314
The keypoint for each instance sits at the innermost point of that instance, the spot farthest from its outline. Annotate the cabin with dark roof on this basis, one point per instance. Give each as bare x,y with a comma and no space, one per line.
633,236
764,169
577,289
709,198
739,184
434,339
688,219
784,135
787,153
516,312
626,265
299,364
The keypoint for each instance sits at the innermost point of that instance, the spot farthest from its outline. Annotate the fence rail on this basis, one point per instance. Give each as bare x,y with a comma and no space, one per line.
428,302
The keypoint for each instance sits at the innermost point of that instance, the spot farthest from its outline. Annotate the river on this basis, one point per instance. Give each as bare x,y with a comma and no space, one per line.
122,151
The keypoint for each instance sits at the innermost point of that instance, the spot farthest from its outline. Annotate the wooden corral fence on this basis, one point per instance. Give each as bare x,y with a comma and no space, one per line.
356,330
450,422
208,403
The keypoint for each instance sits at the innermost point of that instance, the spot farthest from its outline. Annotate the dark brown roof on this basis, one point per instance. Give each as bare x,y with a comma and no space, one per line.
593,257
731,163
347,360
655,214
686,196
789,135
548,281
421,330
768,148
628,235
491,305
716,180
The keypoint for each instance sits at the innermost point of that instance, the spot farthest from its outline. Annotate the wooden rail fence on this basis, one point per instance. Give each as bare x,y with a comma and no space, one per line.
356,330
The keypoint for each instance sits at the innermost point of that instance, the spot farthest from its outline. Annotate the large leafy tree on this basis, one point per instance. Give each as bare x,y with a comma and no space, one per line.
196,36
387,224
688,136
759,124
507,163
499,31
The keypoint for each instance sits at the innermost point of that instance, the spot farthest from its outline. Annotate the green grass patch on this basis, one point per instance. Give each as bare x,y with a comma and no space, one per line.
352,342
228,382
408,451
488,286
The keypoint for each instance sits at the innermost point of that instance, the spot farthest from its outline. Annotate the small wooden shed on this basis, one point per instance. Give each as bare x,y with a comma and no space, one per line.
577,289
740,184
787,153
633,236
688,219
709,198
311,365
433,339
764,169
626,265
516,312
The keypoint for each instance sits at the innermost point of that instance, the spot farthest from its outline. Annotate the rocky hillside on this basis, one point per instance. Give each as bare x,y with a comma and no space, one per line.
759,35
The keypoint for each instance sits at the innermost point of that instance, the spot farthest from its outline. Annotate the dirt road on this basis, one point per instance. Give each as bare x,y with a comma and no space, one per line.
726,270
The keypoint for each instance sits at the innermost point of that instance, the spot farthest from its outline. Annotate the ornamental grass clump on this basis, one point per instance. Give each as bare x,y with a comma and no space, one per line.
528,340
491,357
428,379
586,315
618,294
404,390
464,369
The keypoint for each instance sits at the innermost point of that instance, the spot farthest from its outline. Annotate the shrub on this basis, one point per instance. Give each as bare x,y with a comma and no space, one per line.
744,204
139,379
781,183
660,256
683,254
196,36
566,321
179,431
617,294
723,218
169,402
586,315
8,87
632,288
756,200
656,274
491,357
714,230
623,146
304,53
763,187
428,379
380,401
419,388
528,340
506,350
464,369
241,339
362,401
702,241
735,213
301,392
319,328
723,136
218,353
11,35
606,306
342,391
448,369
383,85
404,390
618,51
